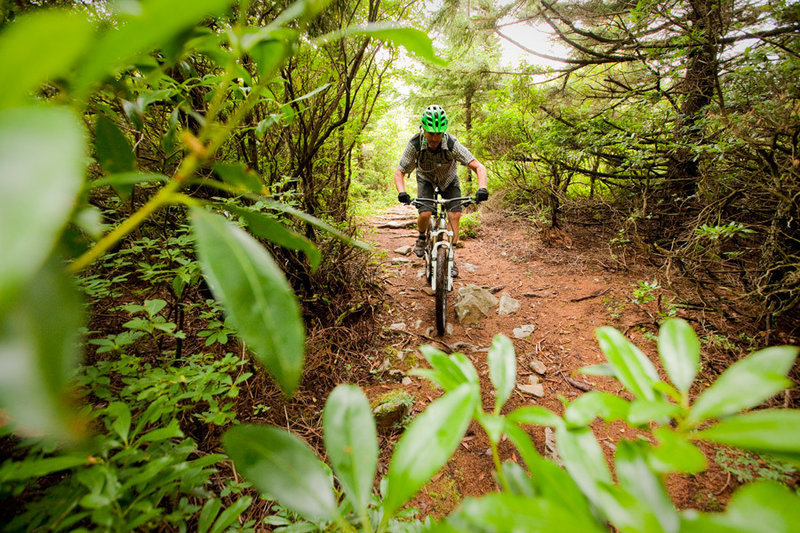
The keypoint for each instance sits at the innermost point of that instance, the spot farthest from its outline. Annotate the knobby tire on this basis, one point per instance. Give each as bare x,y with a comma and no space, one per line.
442,270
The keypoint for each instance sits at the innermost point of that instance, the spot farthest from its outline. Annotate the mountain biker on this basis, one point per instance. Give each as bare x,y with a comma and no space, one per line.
434,153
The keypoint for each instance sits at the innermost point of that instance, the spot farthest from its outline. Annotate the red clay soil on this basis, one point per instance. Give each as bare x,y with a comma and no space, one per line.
568,286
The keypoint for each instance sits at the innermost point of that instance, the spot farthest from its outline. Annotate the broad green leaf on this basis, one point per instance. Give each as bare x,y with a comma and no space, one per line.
636,477
39,350
504,513
770,430
549,480
675,453
281,465
633,369
269,54
267,227
231,514
467,368
30,468
158,22
314,221
679,349
760,507
114,152
600,369
534,415
583,459
502,369
126,179
587,407
255,294
351,442
627,512
427,444
239,176
172,431
122,419
42,151
519,482
745,384
492,424
40,46
208,514
415,41
643,411
446,373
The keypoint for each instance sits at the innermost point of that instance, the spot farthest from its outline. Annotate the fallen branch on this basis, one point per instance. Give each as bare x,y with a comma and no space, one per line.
595,295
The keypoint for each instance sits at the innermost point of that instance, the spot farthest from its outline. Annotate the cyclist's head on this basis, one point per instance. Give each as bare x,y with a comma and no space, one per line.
434,119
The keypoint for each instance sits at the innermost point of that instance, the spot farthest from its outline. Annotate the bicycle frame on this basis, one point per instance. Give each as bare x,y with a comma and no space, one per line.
439,235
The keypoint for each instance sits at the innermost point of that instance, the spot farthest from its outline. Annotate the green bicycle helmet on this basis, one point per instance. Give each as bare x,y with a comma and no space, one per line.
434,119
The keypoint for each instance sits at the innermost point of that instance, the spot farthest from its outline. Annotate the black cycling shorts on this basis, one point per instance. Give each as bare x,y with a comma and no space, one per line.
425,190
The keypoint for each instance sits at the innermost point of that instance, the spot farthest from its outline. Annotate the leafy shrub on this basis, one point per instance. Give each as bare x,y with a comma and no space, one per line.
583,496
470,224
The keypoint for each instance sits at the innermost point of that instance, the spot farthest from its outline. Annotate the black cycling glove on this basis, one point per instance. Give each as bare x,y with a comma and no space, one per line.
482,195
404,198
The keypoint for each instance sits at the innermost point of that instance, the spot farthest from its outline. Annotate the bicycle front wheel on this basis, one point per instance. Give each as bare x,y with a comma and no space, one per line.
442,275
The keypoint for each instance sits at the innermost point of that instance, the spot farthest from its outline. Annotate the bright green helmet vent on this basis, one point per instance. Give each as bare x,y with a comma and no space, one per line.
434,119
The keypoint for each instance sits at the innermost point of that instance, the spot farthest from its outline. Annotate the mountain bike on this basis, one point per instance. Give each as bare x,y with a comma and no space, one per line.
439,252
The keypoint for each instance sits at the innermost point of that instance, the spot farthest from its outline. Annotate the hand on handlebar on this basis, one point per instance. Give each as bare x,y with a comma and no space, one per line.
481,195
404,198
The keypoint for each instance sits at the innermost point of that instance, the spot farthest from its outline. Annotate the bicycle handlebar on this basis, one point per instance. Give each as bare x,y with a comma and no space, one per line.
466,200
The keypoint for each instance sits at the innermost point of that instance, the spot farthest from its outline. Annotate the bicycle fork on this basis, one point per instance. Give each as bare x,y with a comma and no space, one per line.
435,265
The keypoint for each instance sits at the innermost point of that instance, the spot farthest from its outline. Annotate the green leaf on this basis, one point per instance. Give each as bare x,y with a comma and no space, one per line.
587,407
584,460
239,176
42,152
636,477
40,46
351,442
39,350
745,384
549,480
633,369
231,514
208,514
35,468
415,41
643,411
447,374
760,507
172,431
122,419
126,179
267,227
281,465
114,152
600,369
534,415
770,430
314,221
255,294
502,513
675,453
502,369
158,22
427,444
679,349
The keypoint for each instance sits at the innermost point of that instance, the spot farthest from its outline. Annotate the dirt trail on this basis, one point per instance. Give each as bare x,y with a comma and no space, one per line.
567,288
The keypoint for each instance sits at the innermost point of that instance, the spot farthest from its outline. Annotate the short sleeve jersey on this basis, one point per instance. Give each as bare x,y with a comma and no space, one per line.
437,167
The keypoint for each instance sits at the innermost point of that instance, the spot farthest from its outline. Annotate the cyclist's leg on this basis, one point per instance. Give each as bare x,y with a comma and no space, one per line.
424,190
454,211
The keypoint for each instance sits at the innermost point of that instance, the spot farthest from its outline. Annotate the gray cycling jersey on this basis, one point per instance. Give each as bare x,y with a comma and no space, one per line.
437,167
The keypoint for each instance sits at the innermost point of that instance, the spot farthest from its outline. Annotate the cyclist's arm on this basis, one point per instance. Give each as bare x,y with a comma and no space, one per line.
399,180
480,170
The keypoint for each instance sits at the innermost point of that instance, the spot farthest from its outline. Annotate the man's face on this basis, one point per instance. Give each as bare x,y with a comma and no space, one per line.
433,139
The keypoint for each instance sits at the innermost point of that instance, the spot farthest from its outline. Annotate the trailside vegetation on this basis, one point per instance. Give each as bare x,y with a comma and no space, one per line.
175,207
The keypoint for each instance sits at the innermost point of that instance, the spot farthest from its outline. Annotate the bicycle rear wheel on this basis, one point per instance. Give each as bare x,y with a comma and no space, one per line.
442,271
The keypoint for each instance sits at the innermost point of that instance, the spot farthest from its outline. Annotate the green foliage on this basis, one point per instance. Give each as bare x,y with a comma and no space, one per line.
584,497
470,223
